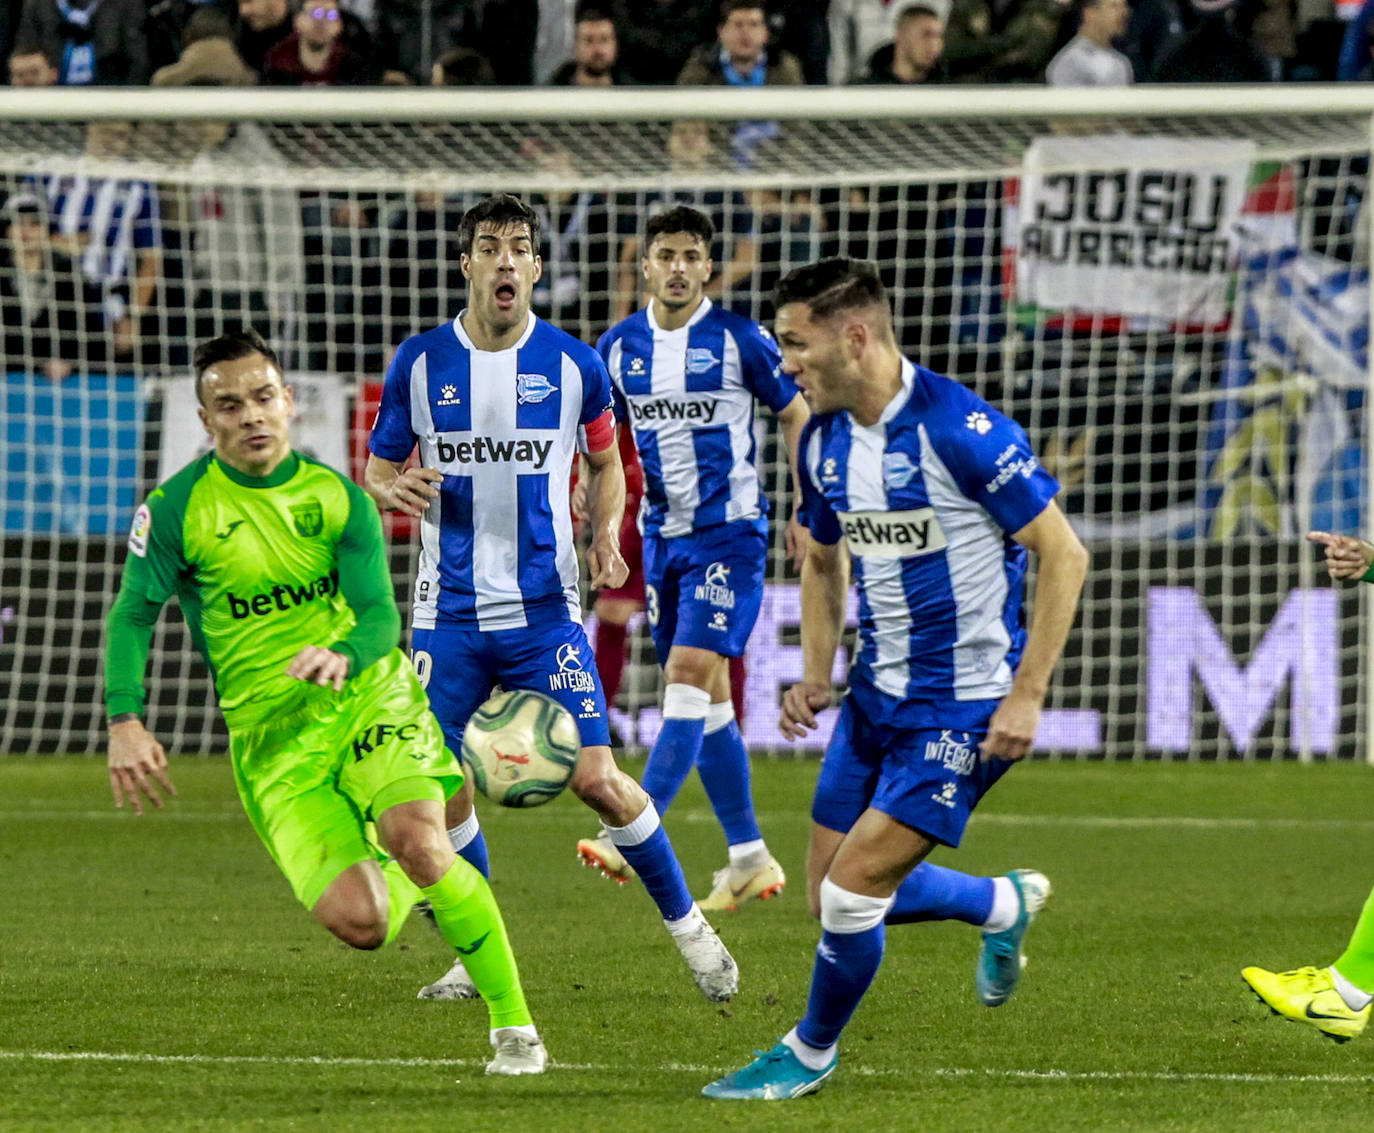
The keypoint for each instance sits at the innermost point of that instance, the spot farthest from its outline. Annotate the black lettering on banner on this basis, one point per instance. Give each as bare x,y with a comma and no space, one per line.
1058,182
1116,186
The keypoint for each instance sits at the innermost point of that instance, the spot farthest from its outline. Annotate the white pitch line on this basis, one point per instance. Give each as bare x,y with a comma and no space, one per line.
695,816
1052,1075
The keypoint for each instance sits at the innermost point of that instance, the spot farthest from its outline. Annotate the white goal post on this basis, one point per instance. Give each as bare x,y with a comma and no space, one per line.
1166,286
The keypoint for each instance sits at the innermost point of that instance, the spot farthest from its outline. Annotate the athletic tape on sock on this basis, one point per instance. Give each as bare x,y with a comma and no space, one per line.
685,702
718,716
846,912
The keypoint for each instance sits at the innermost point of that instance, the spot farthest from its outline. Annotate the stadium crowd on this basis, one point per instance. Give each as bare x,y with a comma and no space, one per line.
656,42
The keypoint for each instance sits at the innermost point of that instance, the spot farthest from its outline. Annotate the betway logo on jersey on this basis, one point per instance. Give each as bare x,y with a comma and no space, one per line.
699,410
488,450
283,597
892,534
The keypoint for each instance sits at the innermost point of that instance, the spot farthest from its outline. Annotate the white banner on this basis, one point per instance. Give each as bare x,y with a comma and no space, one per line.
1139,227
319,429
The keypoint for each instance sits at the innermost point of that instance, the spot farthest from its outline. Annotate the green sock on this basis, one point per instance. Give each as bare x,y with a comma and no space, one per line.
1357,961
403,892
466,913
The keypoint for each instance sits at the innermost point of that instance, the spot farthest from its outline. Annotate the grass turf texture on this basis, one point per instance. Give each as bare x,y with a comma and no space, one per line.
158,975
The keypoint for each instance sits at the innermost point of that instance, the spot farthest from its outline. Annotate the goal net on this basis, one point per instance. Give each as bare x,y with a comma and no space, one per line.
1167,289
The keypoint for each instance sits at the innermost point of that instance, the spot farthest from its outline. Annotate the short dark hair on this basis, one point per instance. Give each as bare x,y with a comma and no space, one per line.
833,285
591,13
680,218
229,347
729,7
463,67
206,23
501,210
33,47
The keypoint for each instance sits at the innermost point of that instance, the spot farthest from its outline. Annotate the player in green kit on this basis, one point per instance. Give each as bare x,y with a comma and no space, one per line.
279,565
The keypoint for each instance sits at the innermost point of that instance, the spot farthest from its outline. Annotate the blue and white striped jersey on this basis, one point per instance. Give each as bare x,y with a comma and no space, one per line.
503,427
689,396
927,500
115,219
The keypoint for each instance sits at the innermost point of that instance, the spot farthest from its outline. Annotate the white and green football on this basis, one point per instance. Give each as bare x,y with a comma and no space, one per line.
520,748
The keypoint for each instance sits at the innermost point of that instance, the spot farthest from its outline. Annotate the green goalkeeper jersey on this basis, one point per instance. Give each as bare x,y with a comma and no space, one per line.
262,568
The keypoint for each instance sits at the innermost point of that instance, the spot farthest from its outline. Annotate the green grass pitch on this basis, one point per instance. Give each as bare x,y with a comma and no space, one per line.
157,975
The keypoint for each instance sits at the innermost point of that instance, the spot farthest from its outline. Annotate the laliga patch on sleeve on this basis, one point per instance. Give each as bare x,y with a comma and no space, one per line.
138,535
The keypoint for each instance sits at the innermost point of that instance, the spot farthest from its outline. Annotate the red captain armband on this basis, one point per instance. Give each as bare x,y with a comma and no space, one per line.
601,432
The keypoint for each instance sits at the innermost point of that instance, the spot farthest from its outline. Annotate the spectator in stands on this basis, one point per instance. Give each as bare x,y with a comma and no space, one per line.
1212,52
245,261
113,227
734,252
208,56
741,55
462,67
31,67
1153,25
916,53
91,41
1357,48
262,25
51,317
1088,59
658,36
595,48
991,42
502,30
802,28
579,247
316,54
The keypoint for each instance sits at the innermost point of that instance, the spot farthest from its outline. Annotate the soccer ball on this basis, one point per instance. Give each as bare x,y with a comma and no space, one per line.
520,748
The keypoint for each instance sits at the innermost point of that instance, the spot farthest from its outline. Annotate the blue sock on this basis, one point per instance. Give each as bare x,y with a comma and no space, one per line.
933,893
846,963
724,770
675,751
645,845
469,844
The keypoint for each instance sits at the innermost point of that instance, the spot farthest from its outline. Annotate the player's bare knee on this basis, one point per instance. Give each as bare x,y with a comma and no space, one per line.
459,806
364,935
422,852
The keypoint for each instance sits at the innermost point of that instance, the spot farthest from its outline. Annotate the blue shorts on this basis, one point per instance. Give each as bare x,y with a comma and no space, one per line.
705,589
929,778
458,667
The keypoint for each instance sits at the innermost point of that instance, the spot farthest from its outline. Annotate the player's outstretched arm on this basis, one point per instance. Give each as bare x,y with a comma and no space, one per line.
824,589
1346,556
792,419
138,764
396,487
1062,563
606,493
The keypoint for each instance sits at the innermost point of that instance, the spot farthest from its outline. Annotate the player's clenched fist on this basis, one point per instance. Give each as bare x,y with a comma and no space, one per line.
1346,556
800,703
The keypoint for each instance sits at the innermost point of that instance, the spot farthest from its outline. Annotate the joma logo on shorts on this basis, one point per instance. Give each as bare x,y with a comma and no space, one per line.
488,450
892,534
283,597
378,734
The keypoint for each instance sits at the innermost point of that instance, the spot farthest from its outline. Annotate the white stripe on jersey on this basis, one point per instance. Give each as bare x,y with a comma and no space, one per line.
431,523
676,455
560,488
744,477
978,578
882,577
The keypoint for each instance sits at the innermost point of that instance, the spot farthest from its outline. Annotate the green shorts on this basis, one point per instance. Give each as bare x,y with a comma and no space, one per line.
311,781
